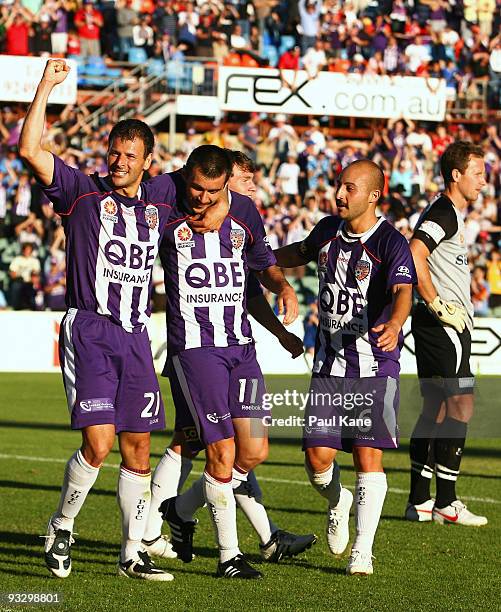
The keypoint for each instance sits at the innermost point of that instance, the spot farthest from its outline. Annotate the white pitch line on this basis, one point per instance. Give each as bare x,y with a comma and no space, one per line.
114,466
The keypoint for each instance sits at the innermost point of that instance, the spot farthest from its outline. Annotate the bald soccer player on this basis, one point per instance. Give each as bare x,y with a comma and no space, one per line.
366,274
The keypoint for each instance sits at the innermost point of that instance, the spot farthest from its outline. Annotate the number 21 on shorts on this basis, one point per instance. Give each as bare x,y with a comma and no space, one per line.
153,400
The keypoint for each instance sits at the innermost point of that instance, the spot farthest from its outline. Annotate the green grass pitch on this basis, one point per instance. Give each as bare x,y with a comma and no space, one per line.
417,566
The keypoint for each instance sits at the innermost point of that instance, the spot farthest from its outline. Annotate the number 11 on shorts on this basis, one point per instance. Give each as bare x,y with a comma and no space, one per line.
253,390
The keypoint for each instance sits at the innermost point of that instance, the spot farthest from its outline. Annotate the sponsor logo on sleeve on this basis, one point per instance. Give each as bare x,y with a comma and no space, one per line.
403,271
434,230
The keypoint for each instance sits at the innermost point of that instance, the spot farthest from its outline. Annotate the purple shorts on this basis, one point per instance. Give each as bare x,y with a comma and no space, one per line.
108,374
210,387
347,412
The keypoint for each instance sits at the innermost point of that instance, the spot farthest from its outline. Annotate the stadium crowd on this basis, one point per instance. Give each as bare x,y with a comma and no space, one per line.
292,193
295,172
458,40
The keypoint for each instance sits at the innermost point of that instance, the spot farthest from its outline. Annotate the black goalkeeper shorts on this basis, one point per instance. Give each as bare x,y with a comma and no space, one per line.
442,355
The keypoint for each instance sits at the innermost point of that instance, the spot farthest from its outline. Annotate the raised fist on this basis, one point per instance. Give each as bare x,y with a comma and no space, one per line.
56,70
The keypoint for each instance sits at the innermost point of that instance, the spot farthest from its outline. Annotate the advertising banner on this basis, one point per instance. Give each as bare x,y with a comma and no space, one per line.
30,344
329,93
20,77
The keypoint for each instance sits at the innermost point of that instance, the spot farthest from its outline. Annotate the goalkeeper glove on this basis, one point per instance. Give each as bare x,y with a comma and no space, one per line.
448,313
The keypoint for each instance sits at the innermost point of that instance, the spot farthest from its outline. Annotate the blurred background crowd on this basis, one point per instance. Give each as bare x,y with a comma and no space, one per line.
458,40
296,165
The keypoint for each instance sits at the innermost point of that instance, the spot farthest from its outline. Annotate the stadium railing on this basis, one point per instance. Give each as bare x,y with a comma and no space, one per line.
143,88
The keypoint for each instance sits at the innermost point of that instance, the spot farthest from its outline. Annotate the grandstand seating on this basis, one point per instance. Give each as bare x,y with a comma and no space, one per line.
286,43
93,72
137,55
270,53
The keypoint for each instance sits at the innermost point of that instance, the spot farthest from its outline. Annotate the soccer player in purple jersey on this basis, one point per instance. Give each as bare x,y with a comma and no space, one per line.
176,464
365,274
113,227
215,379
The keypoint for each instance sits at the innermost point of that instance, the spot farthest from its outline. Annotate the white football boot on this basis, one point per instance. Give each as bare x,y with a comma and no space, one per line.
161,547
360,564
457,514
338,533
58,550
419,512
143,568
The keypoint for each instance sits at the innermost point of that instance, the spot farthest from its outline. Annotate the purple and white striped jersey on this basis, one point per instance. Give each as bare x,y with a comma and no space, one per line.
206,276
356,274
111,242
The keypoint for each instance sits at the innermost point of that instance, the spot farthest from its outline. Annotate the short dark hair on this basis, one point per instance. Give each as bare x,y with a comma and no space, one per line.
243,161
212,162
456,157
130,129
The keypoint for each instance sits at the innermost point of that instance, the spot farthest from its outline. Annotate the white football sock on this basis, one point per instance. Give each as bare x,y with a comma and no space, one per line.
258,494
370,491
248,498
79,477
326,483
223,515
191,500
164,485
186,467
134,497
238,477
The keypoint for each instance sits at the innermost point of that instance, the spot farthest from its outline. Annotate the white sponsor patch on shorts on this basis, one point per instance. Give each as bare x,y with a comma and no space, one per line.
97,404
213,417
464,383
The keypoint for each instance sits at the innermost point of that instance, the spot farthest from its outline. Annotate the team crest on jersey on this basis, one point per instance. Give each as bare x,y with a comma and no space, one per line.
322,259
237,237
184,237
109,210
362,269
151,216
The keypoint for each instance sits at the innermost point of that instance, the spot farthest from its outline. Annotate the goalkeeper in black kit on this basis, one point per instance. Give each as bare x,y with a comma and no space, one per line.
441,325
